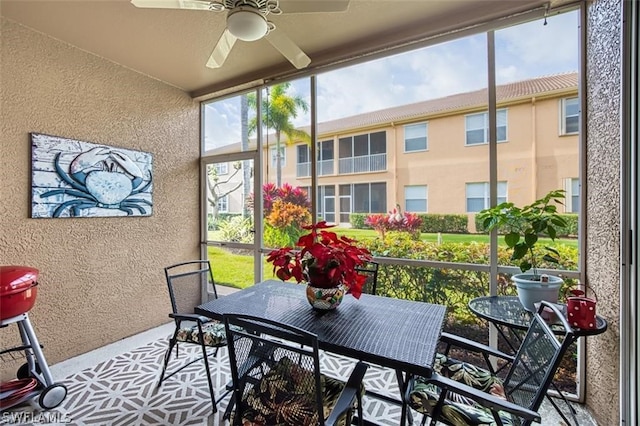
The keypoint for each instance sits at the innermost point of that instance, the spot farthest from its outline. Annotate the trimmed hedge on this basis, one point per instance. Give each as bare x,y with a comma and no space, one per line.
431,222
446,223
571,230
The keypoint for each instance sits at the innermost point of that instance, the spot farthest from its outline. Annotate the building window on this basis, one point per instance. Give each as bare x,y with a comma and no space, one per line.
478,195
570,116
572,188
477,127
363,153
325,158
415,137
283,157
303,154
222,168
415,198
362,198
303,167
223,204
327,203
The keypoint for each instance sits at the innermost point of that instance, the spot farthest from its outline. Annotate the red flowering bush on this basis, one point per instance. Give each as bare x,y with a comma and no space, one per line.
325,256
395,221
286,193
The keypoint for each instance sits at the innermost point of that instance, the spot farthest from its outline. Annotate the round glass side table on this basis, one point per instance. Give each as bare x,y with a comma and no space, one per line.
512,321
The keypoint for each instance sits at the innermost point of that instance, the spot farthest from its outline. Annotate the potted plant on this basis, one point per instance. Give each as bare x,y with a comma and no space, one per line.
325,262
522,227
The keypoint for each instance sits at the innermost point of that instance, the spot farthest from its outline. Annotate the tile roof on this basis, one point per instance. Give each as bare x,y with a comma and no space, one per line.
505,92
460,101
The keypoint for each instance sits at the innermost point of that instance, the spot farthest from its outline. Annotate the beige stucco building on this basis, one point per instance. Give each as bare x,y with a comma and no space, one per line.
432,156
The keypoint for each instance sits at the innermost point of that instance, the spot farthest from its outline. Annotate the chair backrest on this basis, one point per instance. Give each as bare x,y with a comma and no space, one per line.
188,282
370,269
276,372
537,360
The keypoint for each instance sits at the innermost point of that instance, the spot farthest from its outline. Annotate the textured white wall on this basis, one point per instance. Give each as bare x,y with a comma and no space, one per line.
603,147
101,279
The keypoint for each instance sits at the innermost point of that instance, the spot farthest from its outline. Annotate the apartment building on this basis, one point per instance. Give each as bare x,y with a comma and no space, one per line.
433,156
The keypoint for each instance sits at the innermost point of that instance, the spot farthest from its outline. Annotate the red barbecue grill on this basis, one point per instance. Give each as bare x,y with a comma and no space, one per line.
18,291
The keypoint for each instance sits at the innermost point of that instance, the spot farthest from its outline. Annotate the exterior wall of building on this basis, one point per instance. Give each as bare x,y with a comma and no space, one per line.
603,153
101,279
533,160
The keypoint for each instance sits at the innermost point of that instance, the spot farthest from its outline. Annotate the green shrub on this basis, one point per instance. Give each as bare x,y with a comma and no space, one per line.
212,223
237,229
453,288
357,221
282,237
431,222
446,223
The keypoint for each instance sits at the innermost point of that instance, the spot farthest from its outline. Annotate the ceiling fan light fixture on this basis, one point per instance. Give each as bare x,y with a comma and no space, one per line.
247,24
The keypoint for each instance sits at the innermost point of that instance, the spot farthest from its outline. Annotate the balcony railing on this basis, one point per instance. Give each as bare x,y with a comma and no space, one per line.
325,167
362,164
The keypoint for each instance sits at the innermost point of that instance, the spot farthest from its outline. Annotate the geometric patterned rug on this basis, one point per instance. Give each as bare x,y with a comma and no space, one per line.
123,391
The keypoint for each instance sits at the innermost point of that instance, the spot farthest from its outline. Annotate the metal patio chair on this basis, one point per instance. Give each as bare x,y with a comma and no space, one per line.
187,281
277,379
459,393
370,269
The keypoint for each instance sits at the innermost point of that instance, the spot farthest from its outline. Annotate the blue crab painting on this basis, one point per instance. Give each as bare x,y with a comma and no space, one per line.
88,180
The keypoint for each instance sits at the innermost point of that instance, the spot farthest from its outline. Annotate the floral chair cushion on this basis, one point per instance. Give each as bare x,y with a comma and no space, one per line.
459,410
283,397
213,333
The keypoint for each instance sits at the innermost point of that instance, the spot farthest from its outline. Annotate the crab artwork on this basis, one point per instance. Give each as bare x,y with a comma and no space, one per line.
101,177
97,178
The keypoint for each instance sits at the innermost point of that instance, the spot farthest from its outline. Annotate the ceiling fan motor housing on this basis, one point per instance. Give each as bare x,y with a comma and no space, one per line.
247,23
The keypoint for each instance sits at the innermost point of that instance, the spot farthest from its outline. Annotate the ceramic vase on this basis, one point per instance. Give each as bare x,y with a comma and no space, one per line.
325,299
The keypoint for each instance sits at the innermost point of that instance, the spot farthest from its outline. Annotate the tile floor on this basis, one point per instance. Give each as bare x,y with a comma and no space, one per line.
116,385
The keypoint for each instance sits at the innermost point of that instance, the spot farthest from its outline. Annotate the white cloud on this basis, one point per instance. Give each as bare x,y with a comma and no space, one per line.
524,51
534,49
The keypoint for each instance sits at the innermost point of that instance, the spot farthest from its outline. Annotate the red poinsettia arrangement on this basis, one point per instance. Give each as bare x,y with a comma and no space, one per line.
324,259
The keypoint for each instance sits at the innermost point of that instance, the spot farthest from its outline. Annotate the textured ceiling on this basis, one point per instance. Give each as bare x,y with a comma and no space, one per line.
173,45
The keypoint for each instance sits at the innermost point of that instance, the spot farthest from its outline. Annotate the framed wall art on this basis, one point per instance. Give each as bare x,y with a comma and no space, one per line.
72,178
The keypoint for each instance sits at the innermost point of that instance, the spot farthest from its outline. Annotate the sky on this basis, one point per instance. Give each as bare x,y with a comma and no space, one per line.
522,52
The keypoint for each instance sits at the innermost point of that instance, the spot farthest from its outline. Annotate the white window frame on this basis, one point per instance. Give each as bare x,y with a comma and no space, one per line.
501,116
502,194
572,191
223,204
564,116
412,197
283,156
425,135
222,169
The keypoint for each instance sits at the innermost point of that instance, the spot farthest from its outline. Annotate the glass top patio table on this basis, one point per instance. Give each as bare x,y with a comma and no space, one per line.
394,333
508,311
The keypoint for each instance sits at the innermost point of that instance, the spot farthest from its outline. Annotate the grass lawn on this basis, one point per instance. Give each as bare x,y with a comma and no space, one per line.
369,234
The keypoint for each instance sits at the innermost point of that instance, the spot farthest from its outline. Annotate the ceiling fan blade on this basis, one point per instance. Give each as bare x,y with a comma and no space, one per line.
288,48
222,50
311,6
177,4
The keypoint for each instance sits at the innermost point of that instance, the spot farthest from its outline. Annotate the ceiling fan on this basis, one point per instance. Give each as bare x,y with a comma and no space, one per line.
247,21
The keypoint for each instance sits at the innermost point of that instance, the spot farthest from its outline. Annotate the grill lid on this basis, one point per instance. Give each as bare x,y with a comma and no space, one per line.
14,279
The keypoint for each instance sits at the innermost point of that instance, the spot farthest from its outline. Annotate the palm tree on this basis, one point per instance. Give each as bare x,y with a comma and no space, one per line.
278,109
